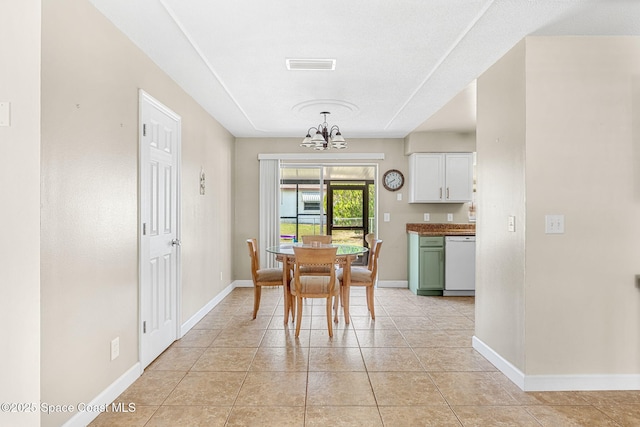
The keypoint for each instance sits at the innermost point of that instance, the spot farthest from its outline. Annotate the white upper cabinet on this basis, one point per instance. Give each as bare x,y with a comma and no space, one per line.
440,177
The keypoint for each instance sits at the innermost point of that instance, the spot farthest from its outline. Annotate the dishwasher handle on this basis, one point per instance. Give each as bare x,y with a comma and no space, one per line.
460,239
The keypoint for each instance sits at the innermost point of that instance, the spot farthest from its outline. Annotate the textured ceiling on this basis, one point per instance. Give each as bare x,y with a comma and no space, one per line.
401,66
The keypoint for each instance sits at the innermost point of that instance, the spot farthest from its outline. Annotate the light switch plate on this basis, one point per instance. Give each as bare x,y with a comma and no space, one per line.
554,224
512,223
387,217
399,196
115,348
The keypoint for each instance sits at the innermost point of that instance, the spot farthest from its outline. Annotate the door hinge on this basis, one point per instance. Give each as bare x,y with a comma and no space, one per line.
144,327
144,129
144,228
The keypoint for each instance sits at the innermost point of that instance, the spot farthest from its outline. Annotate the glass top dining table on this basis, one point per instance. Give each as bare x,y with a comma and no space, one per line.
343,250
344,257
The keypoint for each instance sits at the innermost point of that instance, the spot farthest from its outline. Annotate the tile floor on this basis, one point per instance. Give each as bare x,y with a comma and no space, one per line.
412,366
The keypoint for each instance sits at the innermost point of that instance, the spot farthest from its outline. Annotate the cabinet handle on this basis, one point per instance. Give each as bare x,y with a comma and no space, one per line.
447,193
440,193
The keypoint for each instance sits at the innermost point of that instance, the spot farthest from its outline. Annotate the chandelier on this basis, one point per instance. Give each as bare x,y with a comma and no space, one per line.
325,137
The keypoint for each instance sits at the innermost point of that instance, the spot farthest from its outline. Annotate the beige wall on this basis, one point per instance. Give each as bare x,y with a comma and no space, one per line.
583,309
581,312
500,194
90,79
393,263
20,213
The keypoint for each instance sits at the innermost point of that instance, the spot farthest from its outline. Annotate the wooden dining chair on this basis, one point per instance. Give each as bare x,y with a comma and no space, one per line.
320,238
309,281
365,276
261,276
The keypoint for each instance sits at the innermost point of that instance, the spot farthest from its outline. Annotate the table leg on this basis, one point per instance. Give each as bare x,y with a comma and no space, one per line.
346,282
285,287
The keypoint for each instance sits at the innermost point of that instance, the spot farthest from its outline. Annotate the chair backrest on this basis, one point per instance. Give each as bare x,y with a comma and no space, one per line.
370,238
375,252
321,238
255,258
314,258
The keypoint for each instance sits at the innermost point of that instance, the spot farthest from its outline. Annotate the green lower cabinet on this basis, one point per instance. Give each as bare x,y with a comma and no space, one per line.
426,264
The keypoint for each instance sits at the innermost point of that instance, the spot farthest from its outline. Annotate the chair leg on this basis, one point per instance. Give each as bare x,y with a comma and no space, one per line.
329,304
336,305
298,315
370,302
257,290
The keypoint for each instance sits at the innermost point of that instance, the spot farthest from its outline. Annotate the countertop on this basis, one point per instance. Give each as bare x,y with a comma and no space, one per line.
446,229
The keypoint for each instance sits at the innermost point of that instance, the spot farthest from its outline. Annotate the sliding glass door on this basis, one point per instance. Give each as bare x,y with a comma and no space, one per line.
327,199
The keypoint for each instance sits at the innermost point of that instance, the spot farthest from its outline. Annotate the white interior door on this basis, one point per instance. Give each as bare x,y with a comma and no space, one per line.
159,234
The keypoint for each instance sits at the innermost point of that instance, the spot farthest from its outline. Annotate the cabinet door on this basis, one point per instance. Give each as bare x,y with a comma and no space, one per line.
426,178
413,262
431,268
459,177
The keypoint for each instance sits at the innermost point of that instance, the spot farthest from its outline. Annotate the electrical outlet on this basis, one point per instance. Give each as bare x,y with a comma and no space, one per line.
512,223
449,217
115,348
387,217
427,217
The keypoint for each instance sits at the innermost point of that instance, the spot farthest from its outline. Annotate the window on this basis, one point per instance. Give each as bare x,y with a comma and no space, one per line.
311,201
303,201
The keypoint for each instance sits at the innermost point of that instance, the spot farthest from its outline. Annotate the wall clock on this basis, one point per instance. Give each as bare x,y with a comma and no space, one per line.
393,180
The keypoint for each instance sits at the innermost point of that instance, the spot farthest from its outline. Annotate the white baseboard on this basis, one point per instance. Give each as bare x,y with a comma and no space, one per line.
104,399
186,326
393,284
503,365
592,382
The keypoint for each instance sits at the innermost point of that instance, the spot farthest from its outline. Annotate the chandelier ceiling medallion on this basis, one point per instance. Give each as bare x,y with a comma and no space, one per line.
325,137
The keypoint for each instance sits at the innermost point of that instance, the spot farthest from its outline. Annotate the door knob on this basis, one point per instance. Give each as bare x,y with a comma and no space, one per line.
175,242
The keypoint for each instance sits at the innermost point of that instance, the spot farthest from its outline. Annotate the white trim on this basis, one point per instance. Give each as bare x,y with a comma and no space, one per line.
199,315
503,365
393,284
591,382
321,156
106,397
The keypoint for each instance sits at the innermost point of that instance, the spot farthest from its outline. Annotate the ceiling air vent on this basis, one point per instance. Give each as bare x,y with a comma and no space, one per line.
311,64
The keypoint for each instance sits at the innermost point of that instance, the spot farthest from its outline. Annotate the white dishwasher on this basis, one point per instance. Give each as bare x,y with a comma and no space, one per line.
459,265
